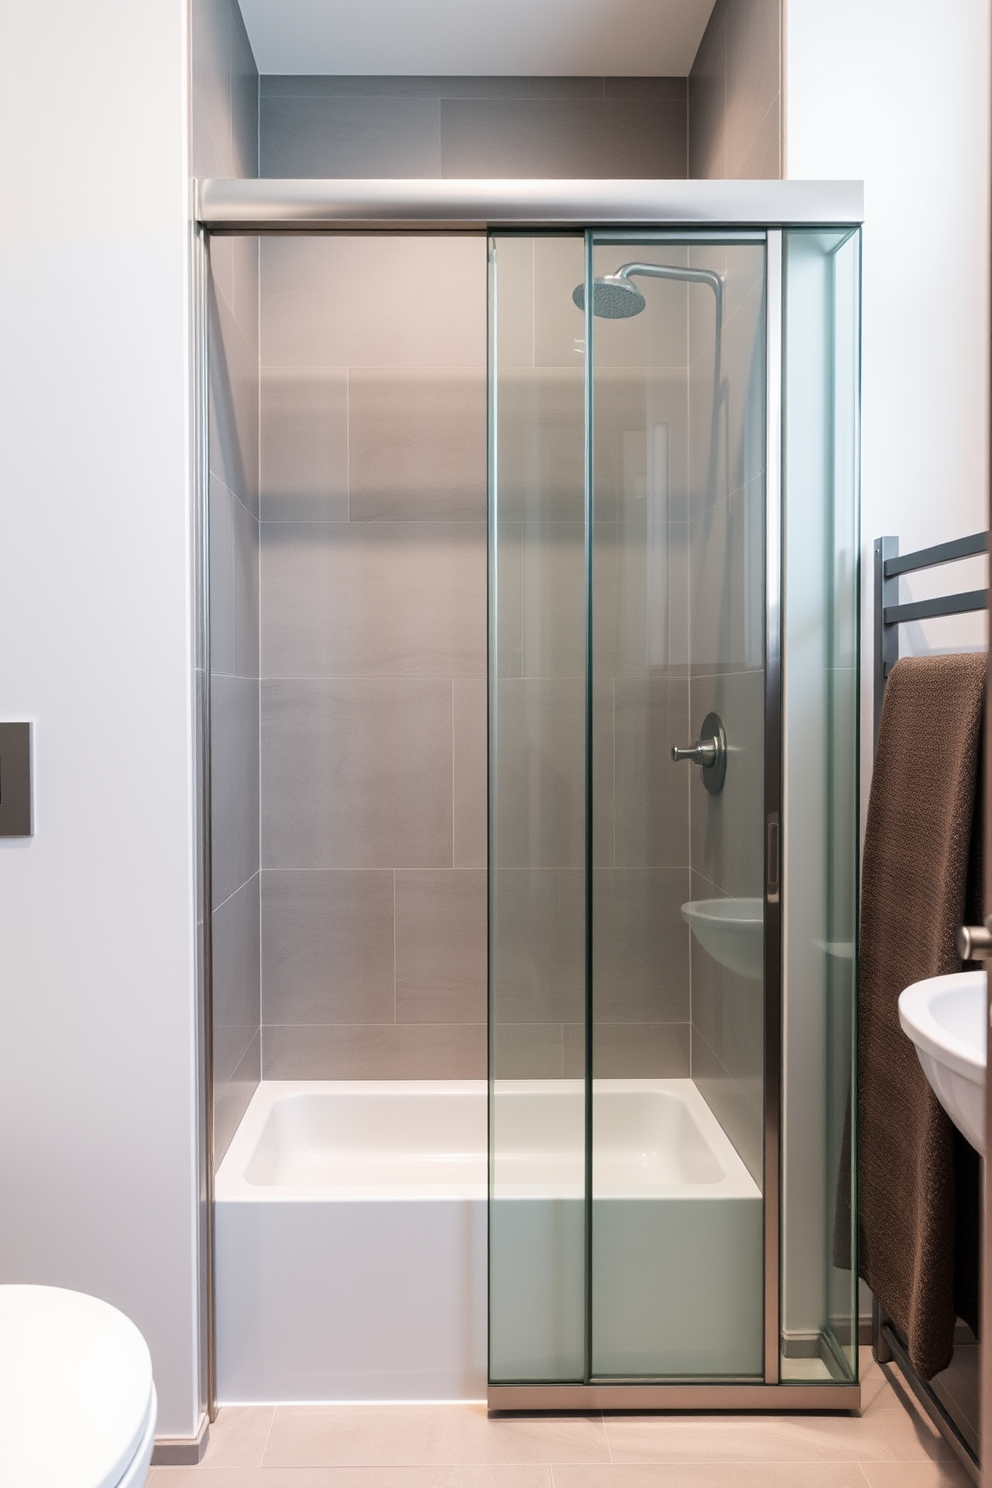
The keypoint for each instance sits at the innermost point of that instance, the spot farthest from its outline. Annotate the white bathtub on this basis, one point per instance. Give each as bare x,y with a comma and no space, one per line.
351,1237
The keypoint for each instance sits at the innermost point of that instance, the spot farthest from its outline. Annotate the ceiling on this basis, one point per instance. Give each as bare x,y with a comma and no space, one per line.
530,38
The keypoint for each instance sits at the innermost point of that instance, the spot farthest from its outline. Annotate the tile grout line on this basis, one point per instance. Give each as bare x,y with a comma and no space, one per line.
268,1435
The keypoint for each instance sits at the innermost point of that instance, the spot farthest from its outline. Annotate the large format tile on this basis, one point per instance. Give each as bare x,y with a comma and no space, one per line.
727,830
540,772
652,792
527,1051
707,108
440,939
403,85
231,1099
236,980
238,1436
244,554
635,137
630,1051
244,97
470,762
426,1435
234,783
538,945
221,517
327,947
429,295
754,72
233,404
947,1474
417,443
732,1104
356,773
304,453
365,599
715,1475
888,1436
640,945
514,1475
319,136
412,1051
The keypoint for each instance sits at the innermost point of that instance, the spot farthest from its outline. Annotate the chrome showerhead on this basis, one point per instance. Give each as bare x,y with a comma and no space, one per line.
613,297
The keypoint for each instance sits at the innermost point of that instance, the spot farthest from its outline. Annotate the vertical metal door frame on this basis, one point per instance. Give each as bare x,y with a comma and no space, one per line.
201,674
773,875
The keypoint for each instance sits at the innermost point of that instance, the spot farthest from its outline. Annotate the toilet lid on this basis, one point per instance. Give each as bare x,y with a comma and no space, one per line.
75,1389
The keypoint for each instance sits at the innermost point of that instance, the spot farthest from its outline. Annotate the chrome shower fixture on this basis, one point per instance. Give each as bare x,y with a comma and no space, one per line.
615,298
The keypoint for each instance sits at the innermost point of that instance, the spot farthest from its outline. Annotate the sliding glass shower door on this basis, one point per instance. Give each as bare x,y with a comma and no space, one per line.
627,620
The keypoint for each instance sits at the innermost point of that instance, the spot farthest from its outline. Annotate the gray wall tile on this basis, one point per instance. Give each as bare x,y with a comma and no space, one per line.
736,80
640,945
634,137
233,404
234,778
231,1100
742,1121
412,1051
631,1051
441,946
540,785
427,293
236,1009
529,1051
314,135
476,126
245,579
417,444
727,833
351,599
477,86
304,444
652,793
356,773
470,764
221,517
327,947
539,945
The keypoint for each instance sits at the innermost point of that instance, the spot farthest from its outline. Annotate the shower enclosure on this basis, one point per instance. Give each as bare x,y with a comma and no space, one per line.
672,749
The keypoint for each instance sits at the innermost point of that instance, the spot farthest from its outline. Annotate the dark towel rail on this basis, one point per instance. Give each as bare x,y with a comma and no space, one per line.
890,564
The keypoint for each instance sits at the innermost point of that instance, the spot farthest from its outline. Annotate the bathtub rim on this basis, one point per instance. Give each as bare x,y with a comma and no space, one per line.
233,1187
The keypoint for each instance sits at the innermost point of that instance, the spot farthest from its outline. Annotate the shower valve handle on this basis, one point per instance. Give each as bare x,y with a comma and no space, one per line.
709,752
704,753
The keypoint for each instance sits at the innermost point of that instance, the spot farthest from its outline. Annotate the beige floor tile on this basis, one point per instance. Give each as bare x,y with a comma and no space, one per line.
716,1475
876,1382
916,1475
238,1436
411,1436
881,1436
514,1475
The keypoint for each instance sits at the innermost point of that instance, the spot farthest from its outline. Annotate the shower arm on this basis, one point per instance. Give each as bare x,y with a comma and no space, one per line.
684,275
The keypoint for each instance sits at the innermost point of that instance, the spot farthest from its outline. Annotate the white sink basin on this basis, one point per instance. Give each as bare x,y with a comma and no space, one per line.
732,930
945,1018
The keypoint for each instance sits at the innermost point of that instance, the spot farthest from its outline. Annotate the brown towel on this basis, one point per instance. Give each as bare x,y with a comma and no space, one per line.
915,878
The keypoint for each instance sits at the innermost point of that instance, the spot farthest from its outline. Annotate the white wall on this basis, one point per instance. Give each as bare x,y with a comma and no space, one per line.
96,911
898,95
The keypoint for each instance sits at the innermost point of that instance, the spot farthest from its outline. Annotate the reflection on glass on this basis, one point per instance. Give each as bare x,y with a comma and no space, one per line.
677,607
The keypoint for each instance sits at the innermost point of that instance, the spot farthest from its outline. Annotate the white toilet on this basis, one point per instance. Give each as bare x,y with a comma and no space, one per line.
77,1400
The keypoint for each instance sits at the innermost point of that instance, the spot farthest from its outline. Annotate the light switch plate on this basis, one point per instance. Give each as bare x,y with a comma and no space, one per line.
15,780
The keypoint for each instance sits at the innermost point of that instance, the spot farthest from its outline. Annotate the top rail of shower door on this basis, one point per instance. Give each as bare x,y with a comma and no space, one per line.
321,206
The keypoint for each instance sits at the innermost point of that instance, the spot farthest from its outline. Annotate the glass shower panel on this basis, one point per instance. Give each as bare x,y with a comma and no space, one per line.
677,604
820,805
537,832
